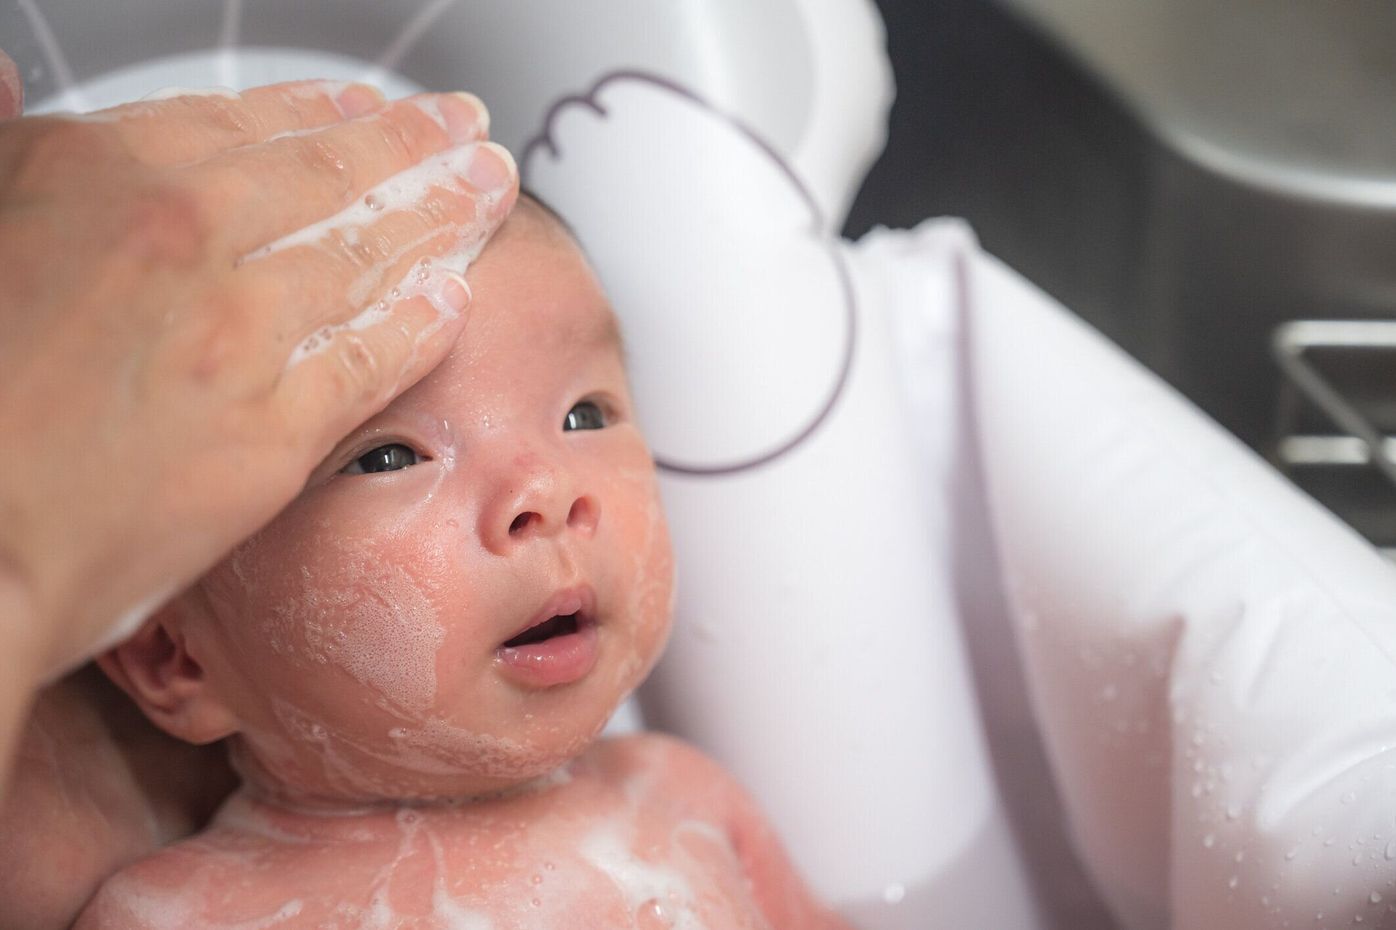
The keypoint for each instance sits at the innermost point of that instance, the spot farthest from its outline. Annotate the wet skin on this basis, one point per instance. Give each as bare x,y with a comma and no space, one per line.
408,760
641,832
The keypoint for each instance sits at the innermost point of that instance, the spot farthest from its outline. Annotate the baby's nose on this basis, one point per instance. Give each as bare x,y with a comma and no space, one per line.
538,498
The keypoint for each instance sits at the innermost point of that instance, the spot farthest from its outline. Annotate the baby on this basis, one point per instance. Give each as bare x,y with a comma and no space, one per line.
413,662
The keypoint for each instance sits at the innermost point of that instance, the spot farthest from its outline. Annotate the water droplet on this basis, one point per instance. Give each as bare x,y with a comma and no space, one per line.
654,913
537,879
1233,881
536,903
548,866
1109,693
1390,851
1240,855
1348,797
318,732
1374,897
398,733
395,293
372,202
1357,859
894,893
1233,811
1209,840
1289,856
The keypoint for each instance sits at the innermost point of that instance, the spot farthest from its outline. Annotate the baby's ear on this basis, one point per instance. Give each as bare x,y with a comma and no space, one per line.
168,684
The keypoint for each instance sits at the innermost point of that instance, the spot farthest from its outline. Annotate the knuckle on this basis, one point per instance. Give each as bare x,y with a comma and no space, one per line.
366,252
217,343
301,109
324,160
356,373
401,136
230,115
165,224
441,208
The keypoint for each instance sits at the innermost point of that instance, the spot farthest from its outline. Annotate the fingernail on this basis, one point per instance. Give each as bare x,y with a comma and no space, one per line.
492,168
454,291
467,117
359,100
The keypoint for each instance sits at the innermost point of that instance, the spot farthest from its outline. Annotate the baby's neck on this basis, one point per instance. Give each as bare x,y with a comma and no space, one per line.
263,790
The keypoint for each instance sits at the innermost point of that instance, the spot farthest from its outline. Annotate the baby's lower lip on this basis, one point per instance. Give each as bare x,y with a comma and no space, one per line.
556,661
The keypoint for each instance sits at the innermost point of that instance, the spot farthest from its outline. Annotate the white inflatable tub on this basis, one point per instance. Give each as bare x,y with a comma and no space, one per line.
1000,631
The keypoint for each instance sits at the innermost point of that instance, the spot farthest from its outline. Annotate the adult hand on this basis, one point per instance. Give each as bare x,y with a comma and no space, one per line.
182,344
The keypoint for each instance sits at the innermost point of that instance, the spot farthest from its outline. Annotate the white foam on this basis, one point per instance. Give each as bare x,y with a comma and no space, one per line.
639,881
169,93
446,908
406,190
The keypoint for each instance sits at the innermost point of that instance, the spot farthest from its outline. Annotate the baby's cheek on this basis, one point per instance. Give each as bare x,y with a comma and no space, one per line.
643,535
369,608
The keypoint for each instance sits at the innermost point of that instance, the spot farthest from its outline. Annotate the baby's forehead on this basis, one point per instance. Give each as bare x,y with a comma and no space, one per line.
535,263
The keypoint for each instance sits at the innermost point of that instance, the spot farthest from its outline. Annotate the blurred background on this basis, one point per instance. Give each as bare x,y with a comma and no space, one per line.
1192,177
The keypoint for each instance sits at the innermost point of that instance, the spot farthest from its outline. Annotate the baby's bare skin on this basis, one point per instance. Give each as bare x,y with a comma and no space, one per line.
640,832
413,660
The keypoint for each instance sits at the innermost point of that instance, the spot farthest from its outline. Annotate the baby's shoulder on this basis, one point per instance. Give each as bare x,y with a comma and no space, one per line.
148,894
219,877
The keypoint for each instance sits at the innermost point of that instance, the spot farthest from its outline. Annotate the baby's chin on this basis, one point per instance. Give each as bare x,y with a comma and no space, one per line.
431,763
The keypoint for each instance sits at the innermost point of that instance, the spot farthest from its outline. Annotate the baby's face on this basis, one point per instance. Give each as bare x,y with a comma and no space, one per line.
471,583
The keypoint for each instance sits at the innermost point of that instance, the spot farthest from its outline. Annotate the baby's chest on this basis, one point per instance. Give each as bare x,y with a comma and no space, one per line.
607,873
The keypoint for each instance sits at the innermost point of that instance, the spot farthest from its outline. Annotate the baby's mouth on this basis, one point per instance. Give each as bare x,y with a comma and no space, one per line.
557,625
559,645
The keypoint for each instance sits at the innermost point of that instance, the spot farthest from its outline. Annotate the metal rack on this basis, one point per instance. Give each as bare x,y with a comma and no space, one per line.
1336,424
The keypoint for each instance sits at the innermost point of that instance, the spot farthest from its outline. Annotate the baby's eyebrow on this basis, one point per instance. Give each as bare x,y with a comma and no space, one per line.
604,331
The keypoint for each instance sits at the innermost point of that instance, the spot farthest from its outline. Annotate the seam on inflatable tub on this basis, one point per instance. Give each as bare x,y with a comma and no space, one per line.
830,243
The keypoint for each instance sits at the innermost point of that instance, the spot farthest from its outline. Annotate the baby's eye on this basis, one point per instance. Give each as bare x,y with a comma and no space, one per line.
585,415
384,458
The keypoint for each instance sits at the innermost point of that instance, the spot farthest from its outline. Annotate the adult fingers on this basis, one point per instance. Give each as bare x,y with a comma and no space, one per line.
262,193
329,273
344,372
11,88
190,126
334,383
